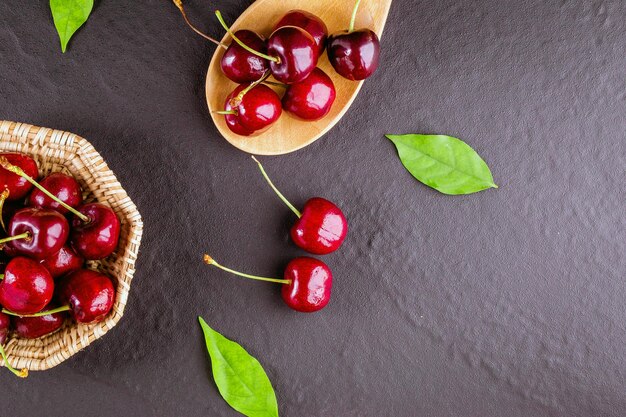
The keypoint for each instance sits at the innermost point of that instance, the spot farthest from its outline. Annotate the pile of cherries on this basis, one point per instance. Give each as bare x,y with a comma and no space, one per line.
320,229
290,55
49,234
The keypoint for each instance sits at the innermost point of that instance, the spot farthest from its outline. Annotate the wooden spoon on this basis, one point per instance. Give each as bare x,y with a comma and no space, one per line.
288,133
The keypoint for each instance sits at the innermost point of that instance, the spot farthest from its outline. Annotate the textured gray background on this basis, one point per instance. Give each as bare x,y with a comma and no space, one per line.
507,302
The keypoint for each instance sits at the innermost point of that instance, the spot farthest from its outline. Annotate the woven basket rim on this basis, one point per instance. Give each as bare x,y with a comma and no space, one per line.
57,150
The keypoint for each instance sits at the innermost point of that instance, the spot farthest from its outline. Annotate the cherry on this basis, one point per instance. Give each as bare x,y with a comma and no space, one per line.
306,285
89,295
291,52
309,22
354,53
63,186
17,186
27,287
321,226
251,109
312,98
97,237
36,233
241,66
5,324
64,261
34,327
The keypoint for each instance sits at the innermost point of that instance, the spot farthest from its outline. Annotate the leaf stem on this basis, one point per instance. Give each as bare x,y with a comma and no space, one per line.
25,235
40,314
179,4
4,163
23,373
353,18
210,261
243,45
278,193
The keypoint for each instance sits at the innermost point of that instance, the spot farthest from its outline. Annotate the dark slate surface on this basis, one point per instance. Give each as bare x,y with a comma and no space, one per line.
507,302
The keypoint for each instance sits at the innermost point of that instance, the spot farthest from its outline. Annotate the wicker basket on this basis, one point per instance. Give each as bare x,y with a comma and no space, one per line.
55,150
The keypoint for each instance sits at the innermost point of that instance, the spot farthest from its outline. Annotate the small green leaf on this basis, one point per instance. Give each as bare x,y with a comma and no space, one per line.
444,163
240,378
68,16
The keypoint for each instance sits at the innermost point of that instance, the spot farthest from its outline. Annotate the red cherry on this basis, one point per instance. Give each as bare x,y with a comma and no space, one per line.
18,186
296,52
240,65
253,112
27,286
5,324
34,327
306,284
309,22
354,55
64,187
310,283
64,261
312,98
36,233
97,238
321,227
88,293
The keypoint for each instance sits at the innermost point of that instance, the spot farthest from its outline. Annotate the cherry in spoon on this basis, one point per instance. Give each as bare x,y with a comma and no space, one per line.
311,98
251,109
309,22
321,226
307,283
354,53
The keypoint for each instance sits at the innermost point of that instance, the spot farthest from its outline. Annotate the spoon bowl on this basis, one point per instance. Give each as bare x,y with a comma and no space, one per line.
289,134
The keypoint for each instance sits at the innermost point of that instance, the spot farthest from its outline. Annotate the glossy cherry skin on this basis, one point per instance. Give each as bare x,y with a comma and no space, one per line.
48,231
309,22
257,110
18,187
322,227
311,282
27,286
240,65
5,324
64,187
34,327
296,50
311,98
354,55
89,294
64,261
97,238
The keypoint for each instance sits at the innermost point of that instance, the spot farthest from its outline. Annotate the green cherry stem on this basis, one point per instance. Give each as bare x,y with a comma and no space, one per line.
21,373
278,193
25,235
1,277
243,45
4,163
353,18
40,314
210,261
179,4
3,197
225,112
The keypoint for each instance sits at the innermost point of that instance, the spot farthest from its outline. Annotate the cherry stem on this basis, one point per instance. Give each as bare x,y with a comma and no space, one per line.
276,84
224,112
278,193
210,261
243,45
24,235
1,277
353,18
179,4
3,197
21,373
40,314
4,163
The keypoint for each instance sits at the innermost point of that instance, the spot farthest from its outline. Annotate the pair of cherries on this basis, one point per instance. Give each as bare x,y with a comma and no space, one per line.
44,253
290,54
320,229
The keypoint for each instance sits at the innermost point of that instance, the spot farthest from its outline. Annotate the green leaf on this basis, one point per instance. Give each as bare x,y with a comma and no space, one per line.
240,378
444,163
68,16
